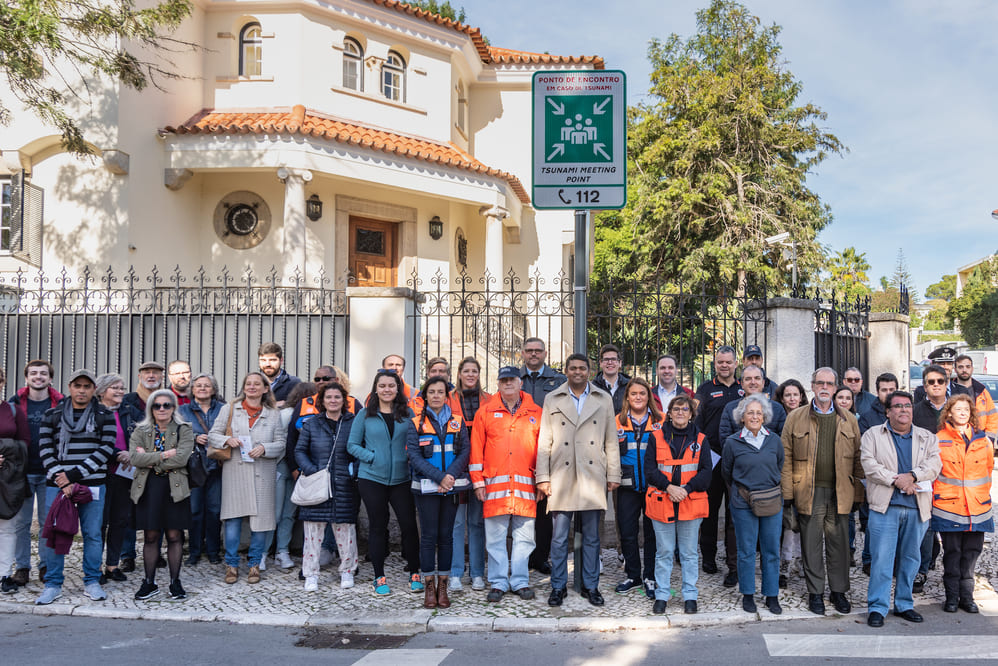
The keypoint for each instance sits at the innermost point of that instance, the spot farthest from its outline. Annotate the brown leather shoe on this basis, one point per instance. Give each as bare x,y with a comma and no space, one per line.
443,601
20,577
429,593
253,576
231,575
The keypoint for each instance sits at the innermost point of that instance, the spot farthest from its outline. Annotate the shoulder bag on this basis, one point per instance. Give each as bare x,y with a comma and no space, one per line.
224,453
197,467
315,488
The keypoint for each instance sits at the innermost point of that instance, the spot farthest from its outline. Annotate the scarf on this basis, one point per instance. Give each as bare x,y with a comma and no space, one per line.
67,428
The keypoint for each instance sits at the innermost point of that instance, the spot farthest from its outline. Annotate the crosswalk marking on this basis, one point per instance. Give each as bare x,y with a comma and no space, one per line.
403,656
881,647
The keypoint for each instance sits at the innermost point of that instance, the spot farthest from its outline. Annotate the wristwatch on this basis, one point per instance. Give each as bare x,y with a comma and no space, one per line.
913,477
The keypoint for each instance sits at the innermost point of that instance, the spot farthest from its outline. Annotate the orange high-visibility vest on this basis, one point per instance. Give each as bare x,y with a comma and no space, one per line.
961,494
658,505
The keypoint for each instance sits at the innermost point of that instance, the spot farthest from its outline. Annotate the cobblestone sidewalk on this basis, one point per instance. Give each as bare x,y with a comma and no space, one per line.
279,599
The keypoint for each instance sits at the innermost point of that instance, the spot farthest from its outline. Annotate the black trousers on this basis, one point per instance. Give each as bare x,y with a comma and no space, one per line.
630,509
377,497
542,535
119,516
716,496
960,553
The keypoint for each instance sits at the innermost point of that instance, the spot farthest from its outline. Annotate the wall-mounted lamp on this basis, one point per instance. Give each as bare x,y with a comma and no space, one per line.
436,227
313,208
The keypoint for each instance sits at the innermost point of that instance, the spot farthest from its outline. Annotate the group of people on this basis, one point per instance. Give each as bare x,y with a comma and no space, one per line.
456,464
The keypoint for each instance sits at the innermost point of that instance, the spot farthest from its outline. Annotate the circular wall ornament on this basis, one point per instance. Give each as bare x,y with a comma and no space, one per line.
242,220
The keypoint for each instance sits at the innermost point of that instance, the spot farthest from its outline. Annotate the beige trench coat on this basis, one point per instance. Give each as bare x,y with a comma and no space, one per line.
578,453
248,489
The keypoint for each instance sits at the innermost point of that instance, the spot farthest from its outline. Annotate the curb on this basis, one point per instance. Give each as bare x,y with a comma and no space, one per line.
423,620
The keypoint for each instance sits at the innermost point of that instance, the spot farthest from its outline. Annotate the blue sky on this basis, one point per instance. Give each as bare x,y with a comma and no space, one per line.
909,87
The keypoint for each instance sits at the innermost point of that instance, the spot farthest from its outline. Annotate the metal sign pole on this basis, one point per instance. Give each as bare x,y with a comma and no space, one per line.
581,280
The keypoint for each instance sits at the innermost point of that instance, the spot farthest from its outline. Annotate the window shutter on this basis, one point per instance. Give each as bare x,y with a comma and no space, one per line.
27,203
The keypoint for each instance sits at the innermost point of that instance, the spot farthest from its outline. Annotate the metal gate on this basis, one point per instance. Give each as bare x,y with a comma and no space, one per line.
108,322
842,334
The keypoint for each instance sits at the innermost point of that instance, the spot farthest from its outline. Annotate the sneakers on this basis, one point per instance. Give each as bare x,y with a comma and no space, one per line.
95,592
253,577
177,590
284,560
919,585
381,586
494,596
415,583
115,575
263,563
7,585
649,588
346,579
626,586
311,583
48,595
231,575
478,583
146,591
454,584
326,557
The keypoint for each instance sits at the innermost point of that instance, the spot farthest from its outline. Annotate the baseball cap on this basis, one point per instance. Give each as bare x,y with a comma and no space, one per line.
508,372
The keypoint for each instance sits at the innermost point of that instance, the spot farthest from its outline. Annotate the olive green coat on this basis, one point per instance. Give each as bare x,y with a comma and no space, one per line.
179,437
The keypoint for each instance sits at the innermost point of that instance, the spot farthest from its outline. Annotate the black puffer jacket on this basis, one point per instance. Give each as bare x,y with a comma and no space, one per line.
315,442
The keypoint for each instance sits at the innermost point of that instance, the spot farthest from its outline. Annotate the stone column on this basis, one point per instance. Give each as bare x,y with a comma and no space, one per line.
294,249
383,320
889,346
788,344
494,216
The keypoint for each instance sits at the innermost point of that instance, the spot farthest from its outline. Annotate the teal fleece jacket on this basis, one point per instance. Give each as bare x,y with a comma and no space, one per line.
382,459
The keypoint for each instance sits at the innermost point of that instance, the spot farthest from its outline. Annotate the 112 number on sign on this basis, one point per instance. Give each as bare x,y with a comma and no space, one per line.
581,197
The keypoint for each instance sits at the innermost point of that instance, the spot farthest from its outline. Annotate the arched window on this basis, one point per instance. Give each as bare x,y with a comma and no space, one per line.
393,77
353,56
462,107
250,50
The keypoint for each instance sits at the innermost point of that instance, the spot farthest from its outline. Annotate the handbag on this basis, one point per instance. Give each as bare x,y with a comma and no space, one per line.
224,453
315,488
766,502
197,468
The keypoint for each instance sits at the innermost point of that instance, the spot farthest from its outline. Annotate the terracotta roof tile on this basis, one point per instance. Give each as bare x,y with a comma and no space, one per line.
509,56
490,54
299,121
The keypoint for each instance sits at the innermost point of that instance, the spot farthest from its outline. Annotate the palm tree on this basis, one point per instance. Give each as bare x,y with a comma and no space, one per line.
848,272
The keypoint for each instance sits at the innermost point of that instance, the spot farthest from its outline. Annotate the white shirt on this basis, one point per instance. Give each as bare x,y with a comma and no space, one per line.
755,440
664,396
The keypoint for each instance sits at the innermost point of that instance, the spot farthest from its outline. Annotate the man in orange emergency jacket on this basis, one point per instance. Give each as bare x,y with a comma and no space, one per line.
987,413
503,459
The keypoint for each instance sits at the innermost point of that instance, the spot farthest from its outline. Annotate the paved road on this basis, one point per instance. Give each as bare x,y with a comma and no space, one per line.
62,640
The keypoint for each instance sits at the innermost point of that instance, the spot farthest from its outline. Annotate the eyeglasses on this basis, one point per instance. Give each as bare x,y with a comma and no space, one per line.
934,382
610,360
162,405
533,351
903,405
821,383
853,379
680,409
323,378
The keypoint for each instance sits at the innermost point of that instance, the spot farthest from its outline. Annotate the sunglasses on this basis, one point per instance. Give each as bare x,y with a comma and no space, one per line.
383,371
934,382
162,405
853,379
323,378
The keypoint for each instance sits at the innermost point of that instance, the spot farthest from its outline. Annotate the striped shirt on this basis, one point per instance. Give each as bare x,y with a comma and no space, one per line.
86,457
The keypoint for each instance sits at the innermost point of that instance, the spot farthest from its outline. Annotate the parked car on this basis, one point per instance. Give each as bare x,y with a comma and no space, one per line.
991,381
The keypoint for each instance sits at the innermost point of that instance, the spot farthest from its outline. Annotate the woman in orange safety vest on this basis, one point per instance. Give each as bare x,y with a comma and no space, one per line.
961,499
678,470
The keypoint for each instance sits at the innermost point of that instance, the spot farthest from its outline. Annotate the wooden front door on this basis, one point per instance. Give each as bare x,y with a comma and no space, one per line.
374,252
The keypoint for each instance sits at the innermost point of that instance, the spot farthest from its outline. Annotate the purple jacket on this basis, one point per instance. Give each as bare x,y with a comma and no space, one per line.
63,520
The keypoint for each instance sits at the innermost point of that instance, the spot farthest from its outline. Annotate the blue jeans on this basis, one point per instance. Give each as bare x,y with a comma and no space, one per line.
436,533
91,519
22,551
469,515
750,530
206,525
687,532
561,521
285,509
233,533
899,532
928,551
505,572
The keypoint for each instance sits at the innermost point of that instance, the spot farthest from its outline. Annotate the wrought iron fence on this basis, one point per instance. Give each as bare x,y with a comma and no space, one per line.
842,332
489,319
648,320
481,318
110,322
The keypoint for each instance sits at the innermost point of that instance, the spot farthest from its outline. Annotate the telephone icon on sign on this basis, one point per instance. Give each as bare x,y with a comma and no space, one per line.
563,199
